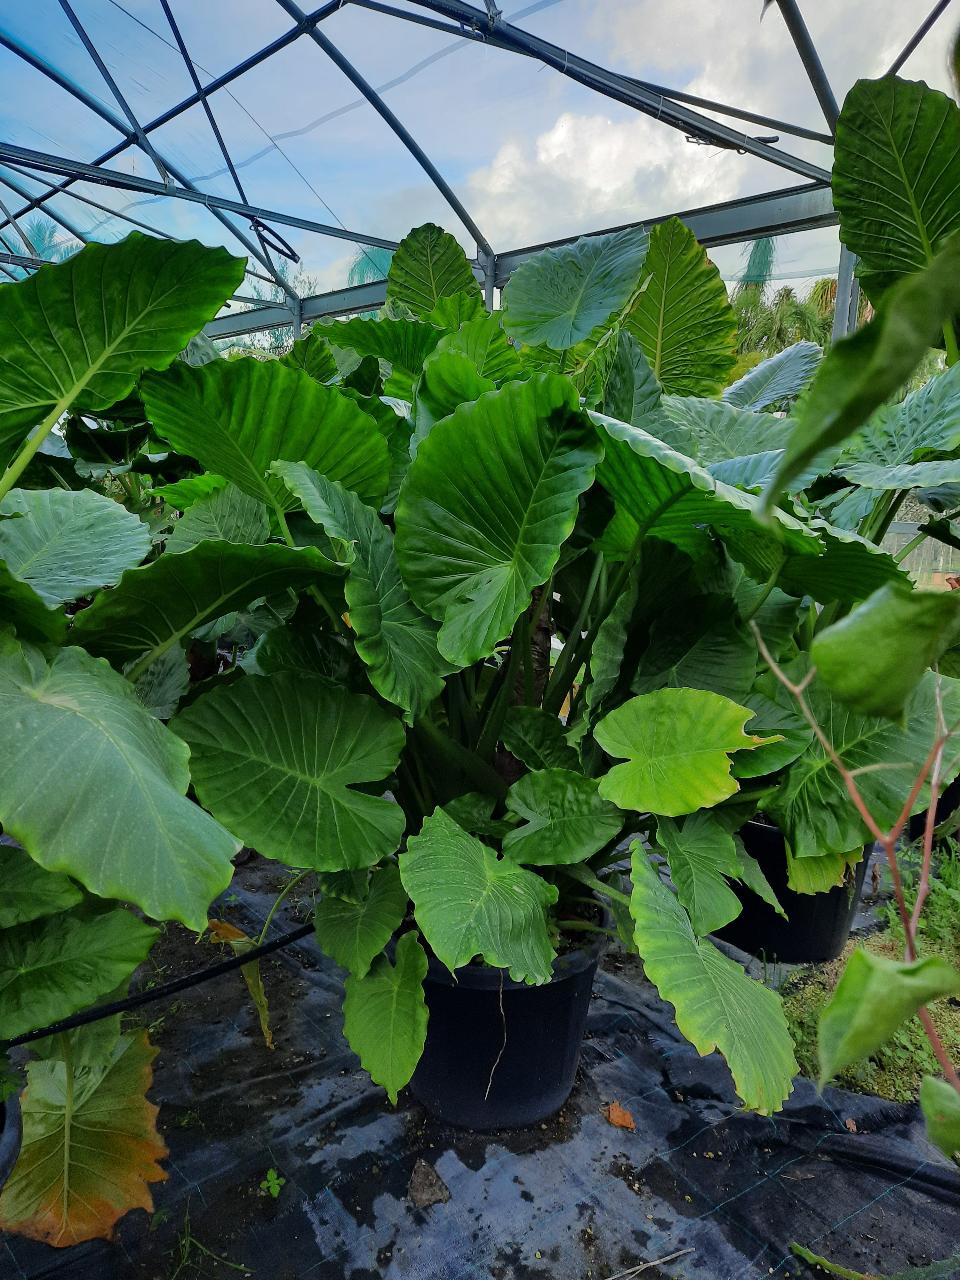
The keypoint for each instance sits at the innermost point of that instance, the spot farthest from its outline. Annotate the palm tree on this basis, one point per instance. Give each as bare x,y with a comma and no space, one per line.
369,263
46,242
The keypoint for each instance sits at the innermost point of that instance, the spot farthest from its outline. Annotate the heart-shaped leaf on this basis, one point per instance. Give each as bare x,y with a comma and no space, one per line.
278,759
29,892
236,417
385,1015
780,378
353,933
565,819
227,515
472,548
166,855
468,902
429,265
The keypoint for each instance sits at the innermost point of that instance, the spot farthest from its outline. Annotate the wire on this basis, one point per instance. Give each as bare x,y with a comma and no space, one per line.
141,998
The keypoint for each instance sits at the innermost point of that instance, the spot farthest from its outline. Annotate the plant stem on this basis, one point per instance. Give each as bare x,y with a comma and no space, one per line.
490,733
478,771
572,640
583,926
764,595
290,885
22,459
950,343
911,546
314,590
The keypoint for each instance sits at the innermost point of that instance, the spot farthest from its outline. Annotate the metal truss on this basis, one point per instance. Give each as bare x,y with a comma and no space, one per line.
773,213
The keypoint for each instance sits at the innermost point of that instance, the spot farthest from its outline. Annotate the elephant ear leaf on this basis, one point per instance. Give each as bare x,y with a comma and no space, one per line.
385,1015
682,317
427,266
780,378
895,174
471,548
718,1006
90,1146
560,296
79,333
677,743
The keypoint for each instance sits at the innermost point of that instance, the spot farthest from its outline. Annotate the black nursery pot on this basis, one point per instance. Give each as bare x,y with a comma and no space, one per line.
818,924
948,802
486,1069
11,1135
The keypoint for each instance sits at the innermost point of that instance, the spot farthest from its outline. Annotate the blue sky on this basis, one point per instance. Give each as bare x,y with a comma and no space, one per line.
532,154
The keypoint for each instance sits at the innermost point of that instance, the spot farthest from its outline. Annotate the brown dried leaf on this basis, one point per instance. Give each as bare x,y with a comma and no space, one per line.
619,1116
237,940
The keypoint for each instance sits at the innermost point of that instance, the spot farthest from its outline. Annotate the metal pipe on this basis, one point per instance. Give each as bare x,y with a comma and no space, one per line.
622,89
54,217
114,88
378,104
811,60
917,36
48,163
841,310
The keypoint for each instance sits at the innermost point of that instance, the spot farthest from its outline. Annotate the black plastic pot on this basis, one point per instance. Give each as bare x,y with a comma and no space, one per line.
486,1069
11,1135
818,924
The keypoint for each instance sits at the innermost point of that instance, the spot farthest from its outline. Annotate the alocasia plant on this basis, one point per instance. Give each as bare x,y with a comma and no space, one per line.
442,609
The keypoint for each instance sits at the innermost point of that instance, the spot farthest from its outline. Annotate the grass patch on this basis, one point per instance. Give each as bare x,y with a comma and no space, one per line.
896,1070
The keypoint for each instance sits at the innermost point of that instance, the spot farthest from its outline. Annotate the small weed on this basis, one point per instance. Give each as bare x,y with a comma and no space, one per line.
195,1255
273,1183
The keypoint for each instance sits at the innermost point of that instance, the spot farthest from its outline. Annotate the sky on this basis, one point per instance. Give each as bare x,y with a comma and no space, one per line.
530,153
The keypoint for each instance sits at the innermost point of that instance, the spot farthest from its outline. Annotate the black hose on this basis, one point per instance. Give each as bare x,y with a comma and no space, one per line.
141,998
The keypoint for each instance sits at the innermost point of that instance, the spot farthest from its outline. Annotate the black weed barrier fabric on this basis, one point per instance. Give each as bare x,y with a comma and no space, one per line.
377,1193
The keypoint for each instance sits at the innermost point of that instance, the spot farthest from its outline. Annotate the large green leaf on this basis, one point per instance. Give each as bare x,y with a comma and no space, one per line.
631,392
896,176
484,343
850,568
787,732
27,612
352,933
156,606
468,902
158,849
385,1015
429,265
606,652
698,643
404,344
717,1005
873,658
279,759
29,892
873,997
237,416
396,641
449,379
860,372
537,739
916,475
52,967
184,493
812,806
781,377
677,743
90,1145
565,818
227,515
683,319
486,505
312,355
924,423
66,543
712,431
702,855
164,682
455,309
940,1104
669,497
559,296
82,330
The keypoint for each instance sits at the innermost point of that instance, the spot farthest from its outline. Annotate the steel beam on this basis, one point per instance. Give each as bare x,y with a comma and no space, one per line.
811,60
48,163
803,208
25,260
847,301
220,82
67,225
917,36
619,87
395,124
776,212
